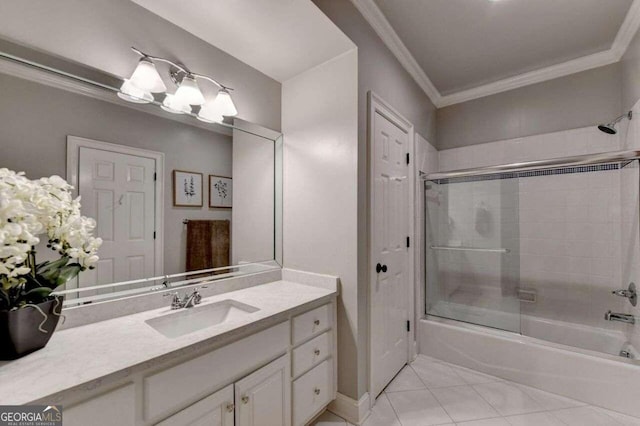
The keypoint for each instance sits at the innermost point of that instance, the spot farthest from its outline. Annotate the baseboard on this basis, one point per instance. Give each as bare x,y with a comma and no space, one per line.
353,411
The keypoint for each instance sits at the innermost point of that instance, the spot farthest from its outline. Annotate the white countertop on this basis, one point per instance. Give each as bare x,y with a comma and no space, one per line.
87,353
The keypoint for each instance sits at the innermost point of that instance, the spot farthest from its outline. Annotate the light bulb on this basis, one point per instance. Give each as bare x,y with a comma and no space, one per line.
146,77
172,105
210,113
224,104
131,93
188,92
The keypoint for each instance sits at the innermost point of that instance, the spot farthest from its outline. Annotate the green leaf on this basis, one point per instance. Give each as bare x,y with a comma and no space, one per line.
36,295
45,267
66,273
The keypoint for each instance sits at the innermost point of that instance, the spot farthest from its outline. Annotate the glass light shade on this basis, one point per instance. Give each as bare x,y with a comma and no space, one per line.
224,104
172,105
210,113
146,77
131,93
188,92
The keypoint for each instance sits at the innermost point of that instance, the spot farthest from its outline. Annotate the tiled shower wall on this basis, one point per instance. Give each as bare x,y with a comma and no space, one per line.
578,232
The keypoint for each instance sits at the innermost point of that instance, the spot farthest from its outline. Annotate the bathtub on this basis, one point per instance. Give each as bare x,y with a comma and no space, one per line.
586,374
601,340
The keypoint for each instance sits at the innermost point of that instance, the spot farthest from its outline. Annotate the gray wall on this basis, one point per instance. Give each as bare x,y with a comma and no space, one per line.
100,33
577,100
36,119
378,71
631,74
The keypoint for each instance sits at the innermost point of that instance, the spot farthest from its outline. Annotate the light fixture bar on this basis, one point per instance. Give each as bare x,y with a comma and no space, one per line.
181,68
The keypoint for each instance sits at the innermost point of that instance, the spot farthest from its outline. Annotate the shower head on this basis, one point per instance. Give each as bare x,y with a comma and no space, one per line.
610,128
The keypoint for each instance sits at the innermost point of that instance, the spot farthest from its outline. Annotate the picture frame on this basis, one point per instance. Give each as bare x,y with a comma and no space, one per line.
187,189
220,192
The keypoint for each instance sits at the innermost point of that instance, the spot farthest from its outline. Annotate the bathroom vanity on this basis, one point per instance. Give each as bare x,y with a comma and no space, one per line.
268,359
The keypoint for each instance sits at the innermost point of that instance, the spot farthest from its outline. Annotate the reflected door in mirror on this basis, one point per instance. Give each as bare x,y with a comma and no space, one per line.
118,190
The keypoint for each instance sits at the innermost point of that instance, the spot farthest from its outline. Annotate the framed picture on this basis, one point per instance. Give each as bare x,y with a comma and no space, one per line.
220,192
187,189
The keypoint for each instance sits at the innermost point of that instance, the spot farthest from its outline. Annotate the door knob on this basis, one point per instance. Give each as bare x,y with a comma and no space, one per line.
380,267
245,399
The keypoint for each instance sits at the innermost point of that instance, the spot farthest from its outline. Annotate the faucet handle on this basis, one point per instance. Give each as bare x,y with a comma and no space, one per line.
175,301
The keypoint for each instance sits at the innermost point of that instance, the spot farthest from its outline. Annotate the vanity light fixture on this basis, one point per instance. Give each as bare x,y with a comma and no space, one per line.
146,80
174,105
131,93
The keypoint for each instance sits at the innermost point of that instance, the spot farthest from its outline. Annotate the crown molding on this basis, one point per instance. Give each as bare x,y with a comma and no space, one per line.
385,31
537,76
383,28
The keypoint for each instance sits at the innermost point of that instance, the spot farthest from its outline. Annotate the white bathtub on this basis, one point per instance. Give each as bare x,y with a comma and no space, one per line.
601,340
602,379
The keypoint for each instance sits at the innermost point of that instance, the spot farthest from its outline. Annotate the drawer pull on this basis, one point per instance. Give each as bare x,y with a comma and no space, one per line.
230,407
317,352
245,399
316,391
317,322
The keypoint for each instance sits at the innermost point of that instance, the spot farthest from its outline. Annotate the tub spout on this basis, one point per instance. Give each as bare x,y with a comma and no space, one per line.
615,316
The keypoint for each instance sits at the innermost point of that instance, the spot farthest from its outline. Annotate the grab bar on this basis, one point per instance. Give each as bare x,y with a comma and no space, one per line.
454,248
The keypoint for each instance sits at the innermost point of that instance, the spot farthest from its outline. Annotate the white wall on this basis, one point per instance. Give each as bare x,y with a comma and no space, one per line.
320,123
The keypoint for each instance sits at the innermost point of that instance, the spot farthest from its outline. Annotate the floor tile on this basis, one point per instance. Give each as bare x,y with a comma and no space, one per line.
474,377
407,379
435,374
584,416
623,419
534,419
382,414
550,401
498,421
463,403
329,419
507,398
418,408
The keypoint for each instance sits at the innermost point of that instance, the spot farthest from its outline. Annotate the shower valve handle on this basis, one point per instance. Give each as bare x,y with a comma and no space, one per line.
630,293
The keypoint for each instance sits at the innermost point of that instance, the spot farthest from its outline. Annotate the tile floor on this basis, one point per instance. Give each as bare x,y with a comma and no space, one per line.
433,392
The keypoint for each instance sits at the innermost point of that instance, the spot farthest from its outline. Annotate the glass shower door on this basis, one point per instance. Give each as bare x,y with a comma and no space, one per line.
472,251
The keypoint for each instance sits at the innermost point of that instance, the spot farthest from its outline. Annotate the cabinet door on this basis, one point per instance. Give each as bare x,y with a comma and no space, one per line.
214,410
264,397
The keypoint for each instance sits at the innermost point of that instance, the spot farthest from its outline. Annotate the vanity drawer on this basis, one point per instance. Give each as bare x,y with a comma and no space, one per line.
311,392
312,352
310,323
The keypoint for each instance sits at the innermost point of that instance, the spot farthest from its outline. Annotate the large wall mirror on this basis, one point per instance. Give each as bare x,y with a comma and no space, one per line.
176,200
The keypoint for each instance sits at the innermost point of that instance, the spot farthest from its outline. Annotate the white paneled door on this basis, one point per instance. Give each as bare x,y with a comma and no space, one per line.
118,190
390,261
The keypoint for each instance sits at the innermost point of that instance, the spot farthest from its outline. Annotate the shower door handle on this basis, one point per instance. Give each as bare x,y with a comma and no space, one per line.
380,268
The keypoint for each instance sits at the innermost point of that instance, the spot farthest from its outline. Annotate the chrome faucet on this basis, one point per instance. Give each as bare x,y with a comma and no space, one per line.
189,301
615,316
192,300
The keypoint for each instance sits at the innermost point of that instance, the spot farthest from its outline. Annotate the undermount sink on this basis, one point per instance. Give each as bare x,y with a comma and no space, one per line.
187,321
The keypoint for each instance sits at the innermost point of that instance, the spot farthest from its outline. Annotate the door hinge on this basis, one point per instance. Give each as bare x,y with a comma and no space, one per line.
408,242
154,235
155,176
407,158
408,325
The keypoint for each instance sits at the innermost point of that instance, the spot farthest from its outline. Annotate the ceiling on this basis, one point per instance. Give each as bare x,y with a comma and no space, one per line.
464,49
281,38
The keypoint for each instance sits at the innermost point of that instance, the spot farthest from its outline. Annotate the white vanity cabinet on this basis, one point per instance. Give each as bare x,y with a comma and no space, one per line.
247,382
264,397
214,410
313,359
